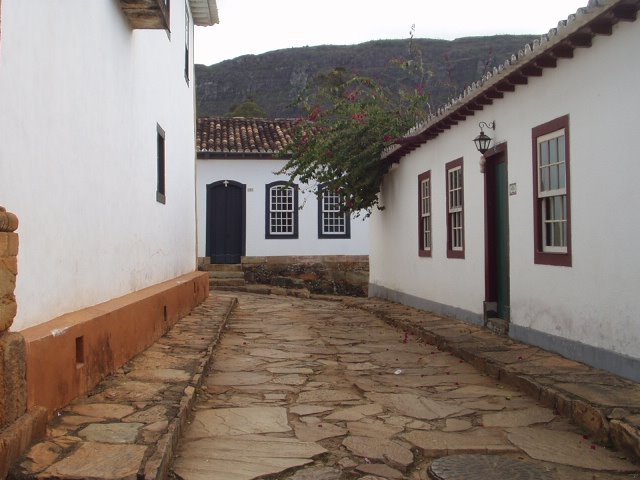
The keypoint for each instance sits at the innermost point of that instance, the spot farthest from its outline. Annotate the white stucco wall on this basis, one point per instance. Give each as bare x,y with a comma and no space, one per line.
81,95
395,263
594,302
256,174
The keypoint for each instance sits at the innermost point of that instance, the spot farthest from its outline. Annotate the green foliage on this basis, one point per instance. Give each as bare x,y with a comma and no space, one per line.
248,108
350,121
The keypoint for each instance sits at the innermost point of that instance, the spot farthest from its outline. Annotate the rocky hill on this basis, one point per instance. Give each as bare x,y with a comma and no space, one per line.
274,80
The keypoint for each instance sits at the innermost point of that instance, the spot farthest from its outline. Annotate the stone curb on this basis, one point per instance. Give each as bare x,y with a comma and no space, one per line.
15,439
158,464
598,420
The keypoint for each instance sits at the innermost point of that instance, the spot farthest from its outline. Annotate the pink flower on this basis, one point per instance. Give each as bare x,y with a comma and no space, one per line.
359,117
387,138
315,114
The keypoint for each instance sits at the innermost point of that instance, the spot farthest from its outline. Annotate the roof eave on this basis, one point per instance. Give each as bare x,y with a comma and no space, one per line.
240,155
577,31
204,12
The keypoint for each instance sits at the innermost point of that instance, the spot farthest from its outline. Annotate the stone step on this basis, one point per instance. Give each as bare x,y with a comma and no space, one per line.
226,274
225,282
221,267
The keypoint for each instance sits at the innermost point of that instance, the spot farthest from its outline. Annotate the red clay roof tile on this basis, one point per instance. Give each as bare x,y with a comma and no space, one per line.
242,135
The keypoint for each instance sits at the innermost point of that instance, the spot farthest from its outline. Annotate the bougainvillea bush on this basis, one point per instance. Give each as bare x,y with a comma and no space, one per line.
350,120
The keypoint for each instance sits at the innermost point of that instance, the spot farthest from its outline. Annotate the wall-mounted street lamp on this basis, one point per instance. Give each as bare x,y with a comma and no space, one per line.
483,141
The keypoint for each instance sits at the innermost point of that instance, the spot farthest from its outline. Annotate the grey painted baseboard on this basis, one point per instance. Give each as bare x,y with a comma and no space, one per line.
617,363
424,304
613,362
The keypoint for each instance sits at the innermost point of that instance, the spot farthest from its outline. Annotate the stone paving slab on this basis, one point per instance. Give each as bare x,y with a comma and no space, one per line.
412,403
128,426
317,417
600,402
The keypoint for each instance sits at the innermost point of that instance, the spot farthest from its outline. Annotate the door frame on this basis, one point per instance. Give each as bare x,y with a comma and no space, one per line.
494,156
209,219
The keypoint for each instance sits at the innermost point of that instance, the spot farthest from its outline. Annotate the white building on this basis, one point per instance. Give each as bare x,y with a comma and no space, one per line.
538,237
96,159
242,209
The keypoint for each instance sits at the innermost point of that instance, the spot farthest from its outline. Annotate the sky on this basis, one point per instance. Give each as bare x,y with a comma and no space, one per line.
258,26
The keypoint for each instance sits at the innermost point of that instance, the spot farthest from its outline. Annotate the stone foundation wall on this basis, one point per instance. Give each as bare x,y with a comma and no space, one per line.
13,387
18,428
328,274
68,355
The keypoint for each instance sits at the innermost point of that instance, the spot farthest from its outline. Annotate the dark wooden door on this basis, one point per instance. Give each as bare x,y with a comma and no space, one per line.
497,232
225,221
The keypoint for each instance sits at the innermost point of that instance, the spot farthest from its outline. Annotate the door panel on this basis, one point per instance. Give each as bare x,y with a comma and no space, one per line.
501,244
497,294
225,221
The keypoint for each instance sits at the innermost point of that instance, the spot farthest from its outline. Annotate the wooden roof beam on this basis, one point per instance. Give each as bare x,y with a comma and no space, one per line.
531,70
602,26
495,93
467,112
626,12
484,100
506,86
474,106
517,78
546,61
581,39
457,116
563,50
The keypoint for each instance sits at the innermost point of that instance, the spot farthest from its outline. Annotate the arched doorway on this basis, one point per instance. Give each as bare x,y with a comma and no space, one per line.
226,221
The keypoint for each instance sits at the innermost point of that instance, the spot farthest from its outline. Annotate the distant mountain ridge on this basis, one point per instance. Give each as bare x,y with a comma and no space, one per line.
274,80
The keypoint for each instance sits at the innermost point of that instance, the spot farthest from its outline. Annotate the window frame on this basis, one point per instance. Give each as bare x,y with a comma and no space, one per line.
161,196
455,251
268,211
425,250
346,233
546,255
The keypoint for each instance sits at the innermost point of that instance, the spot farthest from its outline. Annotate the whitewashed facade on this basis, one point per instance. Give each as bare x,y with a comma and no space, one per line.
86,94
247,162
577,296
256,175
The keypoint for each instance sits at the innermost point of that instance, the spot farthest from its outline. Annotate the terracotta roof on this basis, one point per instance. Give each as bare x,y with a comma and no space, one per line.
577,31
248,136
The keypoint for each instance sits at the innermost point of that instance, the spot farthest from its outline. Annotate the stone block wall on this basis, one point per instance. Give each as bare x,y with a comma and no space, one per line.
18,428
325,274
13,390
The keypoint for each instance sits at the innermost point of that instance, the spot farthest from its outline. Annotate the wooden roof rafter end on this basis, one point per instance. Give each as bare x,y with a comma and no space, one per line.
581,39
560,44
626,12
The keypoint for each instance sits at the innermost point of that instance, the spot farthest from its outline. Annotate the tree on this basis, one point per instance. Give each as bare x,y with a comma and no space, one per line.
350,120
248,108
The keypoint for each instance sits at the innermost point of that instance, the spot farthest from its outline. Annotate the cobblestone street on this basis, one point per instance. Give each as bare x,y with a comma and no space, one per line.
312,389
